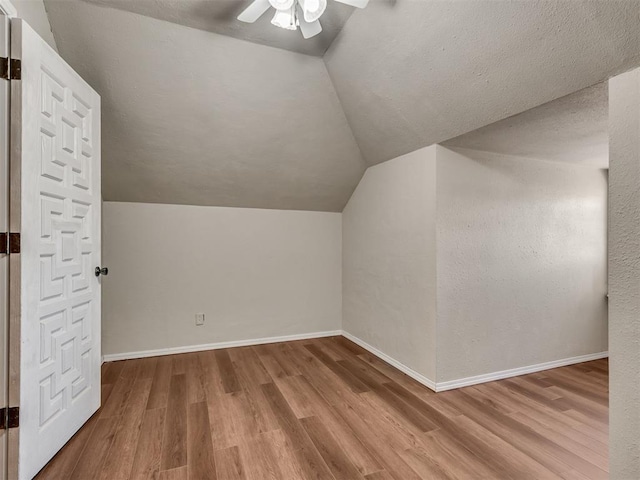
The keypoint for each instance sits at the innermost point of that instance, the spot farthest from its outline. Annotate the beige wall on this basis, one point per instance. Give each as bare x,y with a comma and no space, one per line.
513,254
34,13
253,273
389,260
506,270
624,276
522,275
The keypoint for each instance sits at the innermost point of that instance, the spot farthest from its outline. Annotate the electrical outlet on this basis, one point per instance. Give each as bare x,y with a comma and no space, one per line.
199,318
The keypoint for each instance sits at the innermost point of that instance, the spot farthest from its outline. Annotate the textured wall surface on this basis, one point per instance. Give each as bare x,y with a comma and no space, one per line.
389,260
253,273
521,262
624,276
34,13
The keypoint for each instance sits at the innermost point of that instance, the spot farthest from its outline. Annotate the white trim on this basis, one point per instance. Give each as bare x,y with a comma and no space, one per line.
435,386
400,366
514,372
8,9
465,382
112,357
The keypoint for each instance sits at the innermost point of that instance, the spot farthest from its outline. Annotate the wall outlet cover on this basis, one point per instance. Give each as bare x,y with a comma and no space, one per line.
199,319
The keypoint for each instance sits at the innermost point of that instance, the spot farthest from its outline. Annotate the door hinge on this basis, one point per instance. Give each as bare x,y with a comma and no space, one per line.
9,418
9,243
14,242
13,417
10,68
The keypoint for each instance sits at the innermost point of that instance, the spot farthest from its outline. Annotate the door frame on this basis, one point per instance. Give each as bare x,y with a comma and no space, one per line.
14,320
8,11
4,227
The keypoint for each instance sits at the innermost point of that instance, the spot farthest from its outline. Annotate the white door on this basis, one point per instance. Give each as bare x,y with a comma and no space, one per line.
56,198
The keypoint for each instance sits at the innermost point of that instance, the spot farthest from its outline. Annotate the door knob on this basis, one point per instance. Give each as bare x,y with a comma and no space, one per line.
102,271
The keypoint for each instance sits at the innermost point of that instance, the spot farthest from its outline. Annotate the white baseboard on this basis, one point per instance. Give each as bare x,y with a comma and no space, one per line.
435,386
466,382
514,372
112,357
391,361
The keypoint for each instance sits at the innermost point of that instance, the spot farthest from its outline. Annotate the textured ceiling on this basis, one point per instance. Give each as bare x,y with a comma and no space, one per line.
422,72
196,117
192,117
571,129
219,16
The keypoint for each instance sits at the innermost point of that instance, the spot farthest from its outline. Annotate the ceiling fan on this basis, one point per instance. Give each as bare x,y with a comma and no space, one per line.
291,14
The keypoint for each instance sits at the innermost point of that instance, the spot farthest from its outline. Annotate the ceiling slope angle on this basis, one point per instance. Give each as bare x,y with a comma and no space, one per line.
414,73
220,16
294,14
572,129
193,117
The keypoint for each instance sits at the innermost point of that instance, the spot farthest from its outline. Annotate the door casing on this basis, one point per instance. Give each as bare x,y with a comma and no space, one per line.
4,227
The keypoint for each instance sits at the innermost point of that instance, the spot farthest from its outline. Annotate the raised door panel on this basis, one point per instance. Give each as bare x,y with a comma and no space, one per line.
60,203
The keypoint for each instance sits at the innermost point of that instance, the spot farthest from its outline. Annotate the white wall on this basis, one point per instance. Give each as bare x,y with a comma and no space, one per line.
253,273
521,262
34,13
389,260
512,254
461,264
624,276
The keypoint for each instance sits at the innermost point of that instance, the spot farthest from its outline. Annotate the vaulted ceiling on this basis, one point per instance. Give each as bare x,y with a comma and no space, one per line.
194,117
425,71
572,129
200,109
219,16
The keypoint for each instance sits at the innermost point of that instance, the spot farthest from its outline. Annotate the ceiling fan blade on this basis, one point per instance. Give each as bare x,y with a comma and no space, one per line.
355,3
254,11
308,29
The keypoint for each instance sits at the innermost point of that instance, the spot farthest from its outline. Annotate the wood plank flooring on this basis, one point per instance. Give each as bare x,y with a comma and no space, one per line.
327,409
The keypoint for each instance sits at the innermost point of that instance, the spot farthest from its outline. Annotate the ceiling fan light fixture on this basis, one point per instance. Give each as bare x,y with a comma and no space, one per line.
282,5
313,9
291,14
285,19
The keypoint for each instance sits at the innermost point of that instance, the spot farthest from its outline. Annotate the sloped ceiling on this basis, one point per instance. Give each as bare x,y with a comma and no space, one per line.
219,16
572,129
196,117
421,72
193,117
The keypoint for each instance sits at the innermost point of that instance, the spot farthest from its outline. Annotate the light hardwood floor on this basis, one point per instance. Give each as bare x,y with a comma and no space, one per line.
327,409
